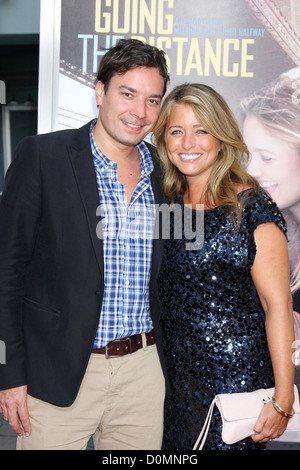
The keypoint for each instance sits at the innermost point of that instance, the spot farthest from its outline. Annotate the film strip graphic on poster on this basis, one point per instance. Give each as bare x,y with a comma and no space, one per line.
282,28
76,73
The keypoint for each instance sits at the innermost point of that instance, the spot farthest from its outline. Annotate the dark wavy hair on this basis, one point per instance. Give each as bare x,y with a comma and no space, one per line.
128,54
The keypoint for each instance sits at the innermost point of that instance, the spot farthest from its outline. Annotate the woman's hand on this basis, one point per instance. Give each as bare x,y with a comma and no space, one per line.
270,424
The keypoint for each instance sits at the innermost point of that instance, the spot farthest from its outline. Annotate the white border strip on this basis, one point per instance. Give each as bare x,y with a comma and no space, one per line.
50,23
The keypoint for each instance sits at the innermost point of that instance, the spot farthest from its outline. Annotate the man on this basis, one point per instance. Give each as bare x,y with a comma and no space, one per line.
78,301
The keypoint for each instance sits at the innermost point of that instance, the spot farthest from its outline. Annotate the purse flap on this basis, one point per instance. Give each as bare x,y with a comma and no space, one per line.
241,406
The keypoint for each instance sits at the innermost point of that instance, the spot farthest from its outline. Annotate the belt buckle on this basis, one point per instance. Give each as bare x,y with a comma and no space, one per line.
107,355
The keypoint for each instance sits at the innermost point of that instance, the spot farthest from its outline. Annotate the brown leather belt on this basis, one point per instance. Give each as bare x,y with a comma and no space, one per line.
120,347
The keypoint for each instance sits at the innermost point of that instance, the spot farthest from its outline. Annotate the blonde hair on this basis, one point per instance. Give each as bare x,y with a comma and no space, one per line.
277,106
218,120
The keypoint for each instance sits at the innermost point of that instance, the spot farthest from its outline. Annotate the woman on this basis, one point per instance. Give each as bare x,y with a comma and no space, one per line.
271,123
227,317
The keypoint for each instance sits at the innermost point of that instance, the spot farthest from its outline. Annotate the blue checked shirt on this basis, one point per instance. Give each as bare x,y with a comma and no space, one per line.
127,234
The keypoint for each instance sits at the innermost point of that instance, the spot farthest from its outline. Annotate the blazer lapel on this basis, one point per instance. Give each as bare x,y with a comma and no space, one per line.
83,167
160,198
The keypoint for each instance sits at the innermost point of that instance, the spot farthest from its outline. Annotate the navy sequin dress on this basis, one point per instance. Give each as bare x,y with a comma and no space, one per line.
213,322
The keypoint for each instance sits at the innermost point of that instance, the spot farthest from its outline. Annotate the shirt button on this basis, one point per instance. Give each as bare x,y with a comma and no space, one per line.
127,283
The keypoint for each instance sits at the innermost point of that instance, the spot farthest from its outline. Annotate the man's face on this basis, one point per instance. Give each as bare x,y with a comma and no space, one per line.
129,109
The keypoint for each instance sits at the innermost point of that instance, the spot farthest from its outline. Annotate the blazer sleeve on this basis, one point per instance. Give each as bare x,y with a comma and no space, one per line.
19,219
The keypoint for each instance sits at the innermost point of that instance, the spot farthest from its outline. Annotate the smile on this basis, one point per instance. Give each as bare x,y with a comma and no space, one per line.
189,156
269,186
132,126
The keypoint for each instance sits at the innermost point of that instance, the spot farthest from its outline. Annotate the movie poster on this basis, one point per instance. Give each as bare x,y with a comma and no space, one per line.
248,50
232,45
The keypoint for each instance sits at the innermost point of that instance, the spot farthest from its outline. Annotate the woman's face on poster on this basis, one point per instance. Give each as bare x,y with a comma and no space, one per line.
274,162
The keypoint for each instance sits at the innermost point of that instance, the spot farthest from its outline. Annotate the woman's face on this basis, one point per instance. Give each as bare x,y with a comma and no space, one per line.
190,148
274,163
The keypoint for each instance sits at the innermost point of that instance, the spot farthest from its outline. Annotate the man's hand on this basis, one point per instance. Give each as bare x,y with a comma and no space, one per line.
13,406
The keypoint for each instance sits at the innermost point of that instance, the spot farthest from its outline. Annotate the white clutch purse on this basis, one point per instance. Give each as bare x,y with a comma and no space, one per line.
239,413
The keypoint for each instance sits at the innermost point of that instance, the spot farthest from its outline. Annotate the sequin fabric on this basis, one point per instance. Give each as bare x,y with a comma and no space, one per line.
213,322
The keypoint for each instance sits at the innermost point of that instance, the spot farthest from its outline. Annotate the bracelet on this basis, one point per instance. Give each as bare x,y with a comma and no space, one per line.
280,410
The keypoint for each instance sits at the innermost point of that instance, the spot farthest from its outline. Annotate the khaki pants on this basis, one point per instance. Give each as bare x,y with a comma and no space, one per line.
120,404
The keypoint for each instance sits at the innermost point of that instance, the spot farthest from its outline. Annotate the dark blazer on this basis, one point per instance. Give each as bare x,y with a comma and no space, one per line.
51,264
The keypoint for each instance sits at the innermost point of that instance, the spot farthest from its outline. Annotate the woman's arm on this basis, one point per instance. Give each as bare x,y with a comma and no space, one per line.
270,273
